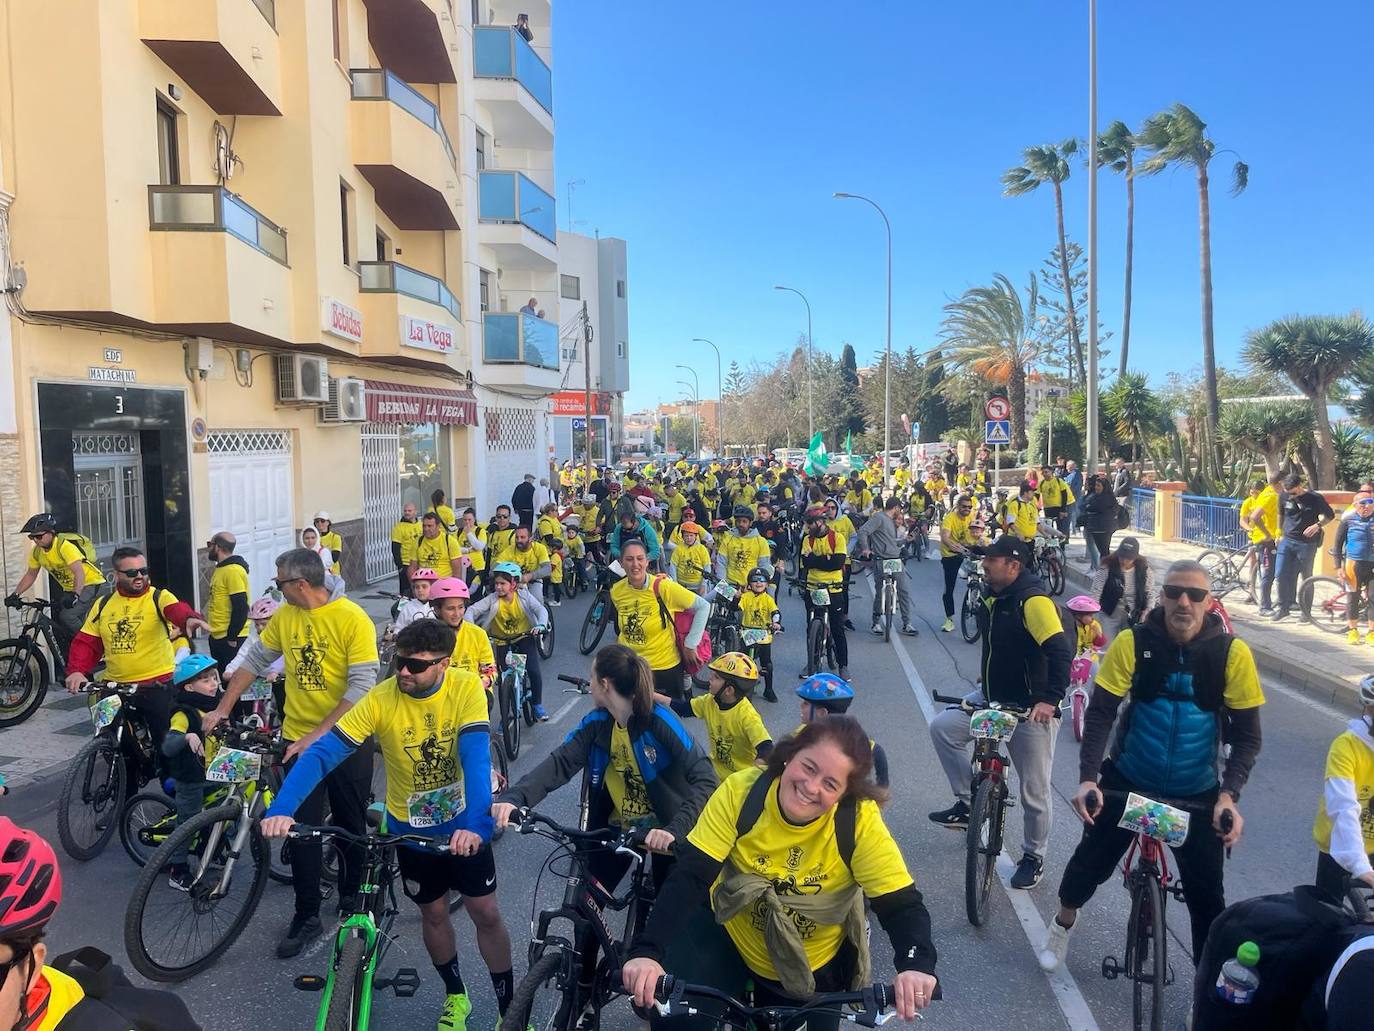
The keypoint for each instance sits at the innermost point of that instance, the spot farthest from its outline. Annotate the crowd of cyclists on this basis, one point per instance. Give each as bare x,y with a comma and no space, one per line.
772,853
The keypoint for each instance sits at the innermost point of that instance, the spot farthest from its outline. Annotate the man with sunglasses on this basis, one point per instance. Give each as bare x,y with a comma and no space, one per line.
330,646
1189,683
824,554
500,538
74,583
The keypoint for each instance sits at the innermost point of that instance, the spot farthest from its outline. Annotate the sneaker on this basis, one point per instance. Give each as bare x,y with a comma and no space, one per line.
1055,947
555,603
911,631
348,905
1279,614
955,817
1353,636
179,877
1266,611
302,929
769,695
1304,617
947,626
848,623
1028,872
540,714
877,629
454,1016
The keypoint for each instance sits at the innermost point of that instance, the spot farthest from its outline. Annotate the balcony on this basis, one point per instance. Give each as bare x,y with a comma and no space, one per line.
226,50
391,277
519,350
401,147
519,221
515,85
409,37
409,314
219,266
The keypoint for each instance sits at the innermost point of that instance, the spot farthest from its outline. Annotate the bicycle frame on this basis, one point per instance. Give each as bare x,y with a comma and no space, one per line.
253,799
378,895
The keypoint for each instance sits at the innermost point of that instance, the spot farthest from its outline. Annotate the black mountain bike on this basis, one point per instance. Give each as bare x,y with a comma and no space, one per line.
820,647
25,671
974,593
599,613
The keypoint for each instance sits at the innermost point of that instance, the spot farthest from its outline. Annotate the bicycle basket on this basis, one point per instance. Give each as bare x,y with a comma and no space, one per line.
892,565
232,765
1154,819
820,597
104,711
992,723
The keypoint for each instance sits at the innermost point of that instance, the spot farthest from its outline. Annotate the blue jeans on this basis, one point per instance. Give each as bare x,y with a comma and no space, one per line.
1294,561
1090,549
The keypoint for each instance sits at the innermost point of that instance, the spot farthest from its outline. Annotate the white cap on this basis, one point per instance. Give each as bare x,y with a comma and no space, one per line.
322,514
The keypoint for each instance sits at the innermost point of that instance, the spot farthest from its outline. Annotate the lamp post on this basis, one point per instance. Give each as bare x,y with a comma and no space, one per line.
1092,237
696,400
720,394
810,416
887,385
571,184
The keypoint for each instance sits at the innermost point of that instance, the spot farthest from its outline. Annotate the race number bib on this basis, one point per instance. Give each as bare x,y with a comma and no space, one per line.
1154,819
103,712
436,807
992,723
232,765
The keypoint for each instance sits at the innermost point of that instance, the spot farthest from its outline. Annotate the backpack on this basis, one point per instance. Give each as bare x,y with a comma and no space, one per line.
111,1002
845,817
158,592
692,661
83,543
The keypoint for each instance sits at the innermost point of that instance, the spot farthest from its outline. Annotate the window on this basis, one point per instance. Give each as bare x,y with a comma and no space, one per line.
620,288
346,221
484,289
383,246
168,161
570,288
338,29
620,348
481,150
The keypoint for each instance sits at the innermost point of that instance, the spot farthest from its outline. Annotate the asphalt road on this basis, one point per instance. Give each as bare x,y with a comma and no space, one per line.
989,974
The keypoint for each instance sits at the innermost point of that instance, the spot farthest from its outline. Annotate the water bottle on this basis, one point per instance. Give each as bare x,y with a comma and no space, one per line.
1239,980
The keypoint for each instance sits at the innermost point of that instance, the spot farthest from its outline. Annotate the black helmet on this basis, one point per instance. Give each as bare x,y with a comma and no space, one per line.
742,512
43,522
758,576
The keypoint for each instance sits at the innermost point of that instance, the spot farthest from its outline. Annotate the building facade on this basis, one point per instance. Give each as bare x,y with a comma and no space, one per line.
266,258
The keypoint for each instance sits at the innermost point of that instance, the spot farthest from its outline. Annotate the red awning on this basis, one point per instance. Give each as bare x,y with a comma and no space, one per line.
402,402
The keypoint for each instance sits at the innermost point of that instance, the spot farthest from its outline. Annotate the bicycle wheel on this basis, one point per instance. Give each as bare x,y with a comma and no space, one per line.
500,774
980,858
571,581
92,799
729,639
1147,953
147,821
968,615
594,622
23,680
1222,571
1080,706
546,639
1324,598
345,1001
537,1001
815,646
171,934
922,545
889,603
510,718
1056,577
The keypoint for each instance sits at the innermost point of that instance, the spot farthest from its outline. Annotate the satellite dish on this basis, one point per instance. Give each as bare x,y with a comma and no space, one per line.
225,158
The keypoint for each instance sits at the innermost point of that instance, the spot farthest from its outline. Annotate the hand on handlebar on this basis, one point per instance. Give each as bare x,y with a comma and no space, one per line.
914,991
1226,819
640,977
658,840
501,814
1087,800
75,682
13,601
464,843
1043,712
276,826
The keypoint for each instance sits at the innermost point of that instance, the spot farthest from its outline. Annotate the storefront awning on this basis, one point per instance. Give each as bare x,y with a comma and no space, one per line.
402,402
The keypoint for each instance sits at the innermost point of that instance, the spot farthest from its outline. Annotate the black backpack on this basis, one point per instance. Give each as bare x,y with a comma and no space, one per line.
111,1003
158,592
845,816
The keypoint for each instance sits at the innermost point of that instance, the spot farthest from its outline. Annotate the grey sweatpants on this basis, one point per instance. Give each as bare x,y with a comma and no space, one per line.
1032,754
875,580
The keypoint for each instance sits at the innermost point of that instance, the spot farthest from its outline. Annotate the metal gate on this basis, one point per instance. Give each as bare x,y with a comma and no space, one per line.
251,495
381,496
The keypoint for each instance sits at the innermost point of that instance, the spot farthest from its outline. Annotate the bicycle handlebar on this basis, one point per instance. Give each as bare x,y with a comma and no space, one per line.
581,683
114,686
527,819
972,707
23,603
876,1000
1197,808
305,830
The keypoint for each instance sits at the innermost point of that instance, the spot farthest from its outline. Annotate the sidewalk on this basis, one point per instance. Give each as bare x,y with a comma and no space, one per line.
1323,665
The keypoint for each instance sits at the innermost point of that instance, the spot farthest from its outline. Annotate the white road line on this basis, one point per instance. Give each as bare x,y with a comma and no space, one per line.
567,708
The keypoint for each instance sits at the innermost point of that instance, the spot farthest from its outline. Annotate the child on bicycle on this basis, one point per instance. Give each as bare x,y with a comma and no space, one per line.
824,695
196,689
1088,635
417,605
737,734
555,571
690,559
1344,828
758,611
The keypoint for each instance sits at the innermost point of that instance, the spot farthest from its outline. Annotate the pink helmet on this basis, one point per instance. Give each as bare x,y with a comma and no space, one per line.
30,881
1084,603
448,587
263,607
424,574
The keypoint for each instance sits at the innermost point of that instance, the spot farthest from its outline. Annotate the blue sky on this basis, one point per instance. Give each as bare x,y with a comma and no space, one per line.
712,144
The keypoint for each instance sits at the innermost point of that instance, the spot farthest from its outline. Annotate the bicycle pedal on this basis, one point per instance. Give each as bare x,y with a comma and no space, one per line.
1111,969
309,983
403,984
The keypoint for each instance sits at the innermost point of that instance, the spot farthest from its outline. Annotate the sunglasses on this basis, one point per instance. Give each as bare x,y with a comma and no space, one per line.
37,536
133,574
503,518
1365,501
1197,595
414,665
289,580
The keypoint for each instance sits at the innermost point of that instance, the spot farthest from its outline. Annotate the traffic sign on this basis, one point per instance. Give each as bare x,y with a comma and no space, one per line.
579,424
997,409
998,431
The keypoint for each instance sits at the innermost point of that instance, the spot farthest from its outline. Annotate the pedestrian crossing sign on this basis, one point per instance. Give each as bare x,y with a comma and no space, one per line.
998,431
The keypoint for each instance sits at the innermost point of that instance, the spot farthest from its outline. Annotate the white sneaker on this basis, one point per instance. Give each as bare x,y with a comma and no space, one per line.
555,603
1055,947
877,630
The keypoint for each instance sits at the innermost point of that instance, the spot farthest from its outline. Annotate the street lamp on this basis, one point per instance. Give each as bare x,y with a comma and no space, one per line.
570,184
695,417
810,417
720,393
1092,238
887,385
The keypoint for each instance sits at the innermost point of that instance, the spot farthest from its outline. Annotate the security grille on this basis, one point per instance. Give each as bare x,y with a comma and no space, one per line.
248,442
381,496
510,429
104,444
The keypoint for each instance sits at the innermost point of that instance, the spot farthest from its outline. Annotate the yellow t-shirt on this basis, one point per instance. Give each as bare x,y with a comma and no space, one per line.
477,557
1242,690
742,554
630,805
573,546
334,543
1350,759
823,547
531,558
472,650
960,530
690,563
1054,493
735,733
548,526
798,860
136,644
500,543
844,526
319,646
510,620
675,503
59,559
448,519
859,499
438,553
225,582
556,564
1086,636
640,625
1024,516
757,611
407,535
419,741
936,487
1259,512
64,995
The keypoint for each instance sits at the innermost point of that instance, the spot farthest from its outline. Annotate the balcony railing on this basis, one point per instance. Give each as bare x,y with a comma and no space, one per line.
380,84
390,277
502,53
515,197
214,209
269,10
515,338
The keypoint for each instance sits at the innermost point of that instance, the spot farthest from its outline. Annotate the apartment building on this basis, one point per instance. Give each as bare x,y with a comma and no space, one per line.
270,257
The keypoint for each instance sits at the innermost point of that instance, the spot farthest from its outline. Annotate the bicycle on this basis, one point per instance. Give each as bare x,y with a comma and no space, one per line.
365,932
601,611
1049,562
555,957
820,646
990,724
723,623
874,1006
1150,883
1226,568
513,695
1081,671
1324,599
97,780
887,591
25,674
974,595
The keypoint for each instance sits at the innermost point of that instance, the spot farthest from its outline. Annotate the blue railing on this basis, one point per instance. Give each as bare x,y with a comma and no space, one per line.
380,84
393,277
515,197
499,52
1143,509
1211,522
515,338
194,208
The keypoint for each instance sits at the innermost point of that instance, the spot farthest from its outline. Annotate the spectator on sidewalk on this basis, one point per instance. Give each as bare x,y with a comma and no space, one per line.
1125,585
1259,516
522,501
1121,482
405,534
1304,513
1098,516
1074,478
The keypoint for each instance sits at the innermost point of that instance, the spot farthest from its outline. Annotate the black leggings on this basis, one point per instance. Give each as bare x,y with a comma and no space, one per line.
763,655
835,614
669,681
529,648
1102,540
950,566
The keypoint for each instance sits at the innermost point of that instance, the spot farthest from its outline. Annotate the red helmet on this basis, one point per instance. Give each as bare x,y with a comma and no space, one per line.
30,881
449,587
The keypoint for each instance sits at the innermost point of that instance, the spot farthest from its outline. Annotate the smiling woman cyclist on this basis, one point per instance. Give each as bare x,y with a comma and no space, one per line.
769,886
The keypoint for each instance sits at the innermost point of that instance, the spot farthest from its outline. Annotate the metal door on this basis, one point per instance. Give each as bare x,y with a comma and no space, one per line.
251,497
381,496
109,490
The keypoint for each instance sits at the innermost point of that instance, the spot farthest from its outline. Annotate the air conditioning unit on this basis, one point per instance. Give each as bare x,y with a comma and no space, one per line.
302,379
345,402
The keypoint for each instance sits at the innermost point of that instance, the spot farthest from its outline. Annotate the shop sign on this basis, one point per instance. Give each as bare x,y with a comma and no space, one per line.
342,320
574,402
388,402
101,374
426,335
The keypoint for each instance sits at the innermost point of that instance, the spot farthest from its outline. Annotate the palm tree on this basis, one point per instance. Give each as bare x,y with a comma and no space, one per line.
1269,427
1050,164
1136,411
1314,351
1116,150
1179,137
989,333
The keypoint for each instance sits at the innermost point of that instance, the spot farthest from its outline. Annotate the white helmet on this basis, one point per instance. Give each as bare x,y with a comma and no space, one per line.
1367,690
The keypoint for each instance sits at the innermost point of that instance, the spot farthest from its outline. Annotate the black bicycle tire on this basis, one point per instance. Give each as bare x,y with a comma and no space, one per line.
968,614
279,852
510,718
156,870
571,582
593,625
1221,570
1056,578
1304,598
38,687
348,978
522,998
527,704
815,646
128,833
497,749
101,743
730,639
1146,887
888,604
546,640
978,865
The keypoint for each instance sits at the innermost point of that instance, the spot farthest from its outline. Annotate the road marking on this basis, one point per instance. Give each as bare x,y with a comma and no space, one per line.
567,708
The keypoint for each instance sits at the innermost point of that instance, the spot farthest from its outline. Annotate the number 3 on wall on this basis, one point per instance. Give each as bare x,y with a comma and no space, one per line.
119,404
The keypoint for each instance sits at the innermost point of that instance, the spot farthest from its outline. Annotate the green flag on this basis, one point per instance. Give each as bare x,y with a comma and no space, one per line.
817,457
849,443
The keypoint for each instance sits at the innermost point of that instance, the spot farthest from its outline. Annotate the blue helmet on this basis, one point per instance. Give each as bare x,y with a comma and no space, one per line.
508,569
825,688
191,667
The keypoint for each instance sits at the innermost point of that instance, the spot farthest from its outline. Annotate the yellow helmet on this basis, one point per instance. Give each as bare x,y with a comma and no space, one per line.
736,666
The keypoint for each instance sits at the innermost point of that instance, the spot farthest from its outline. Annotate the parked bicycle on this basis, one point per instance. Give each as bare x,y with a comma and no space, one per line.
1325,599
1230,569
513,695
26,671
601,611
1081,671
974,595
1050,562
